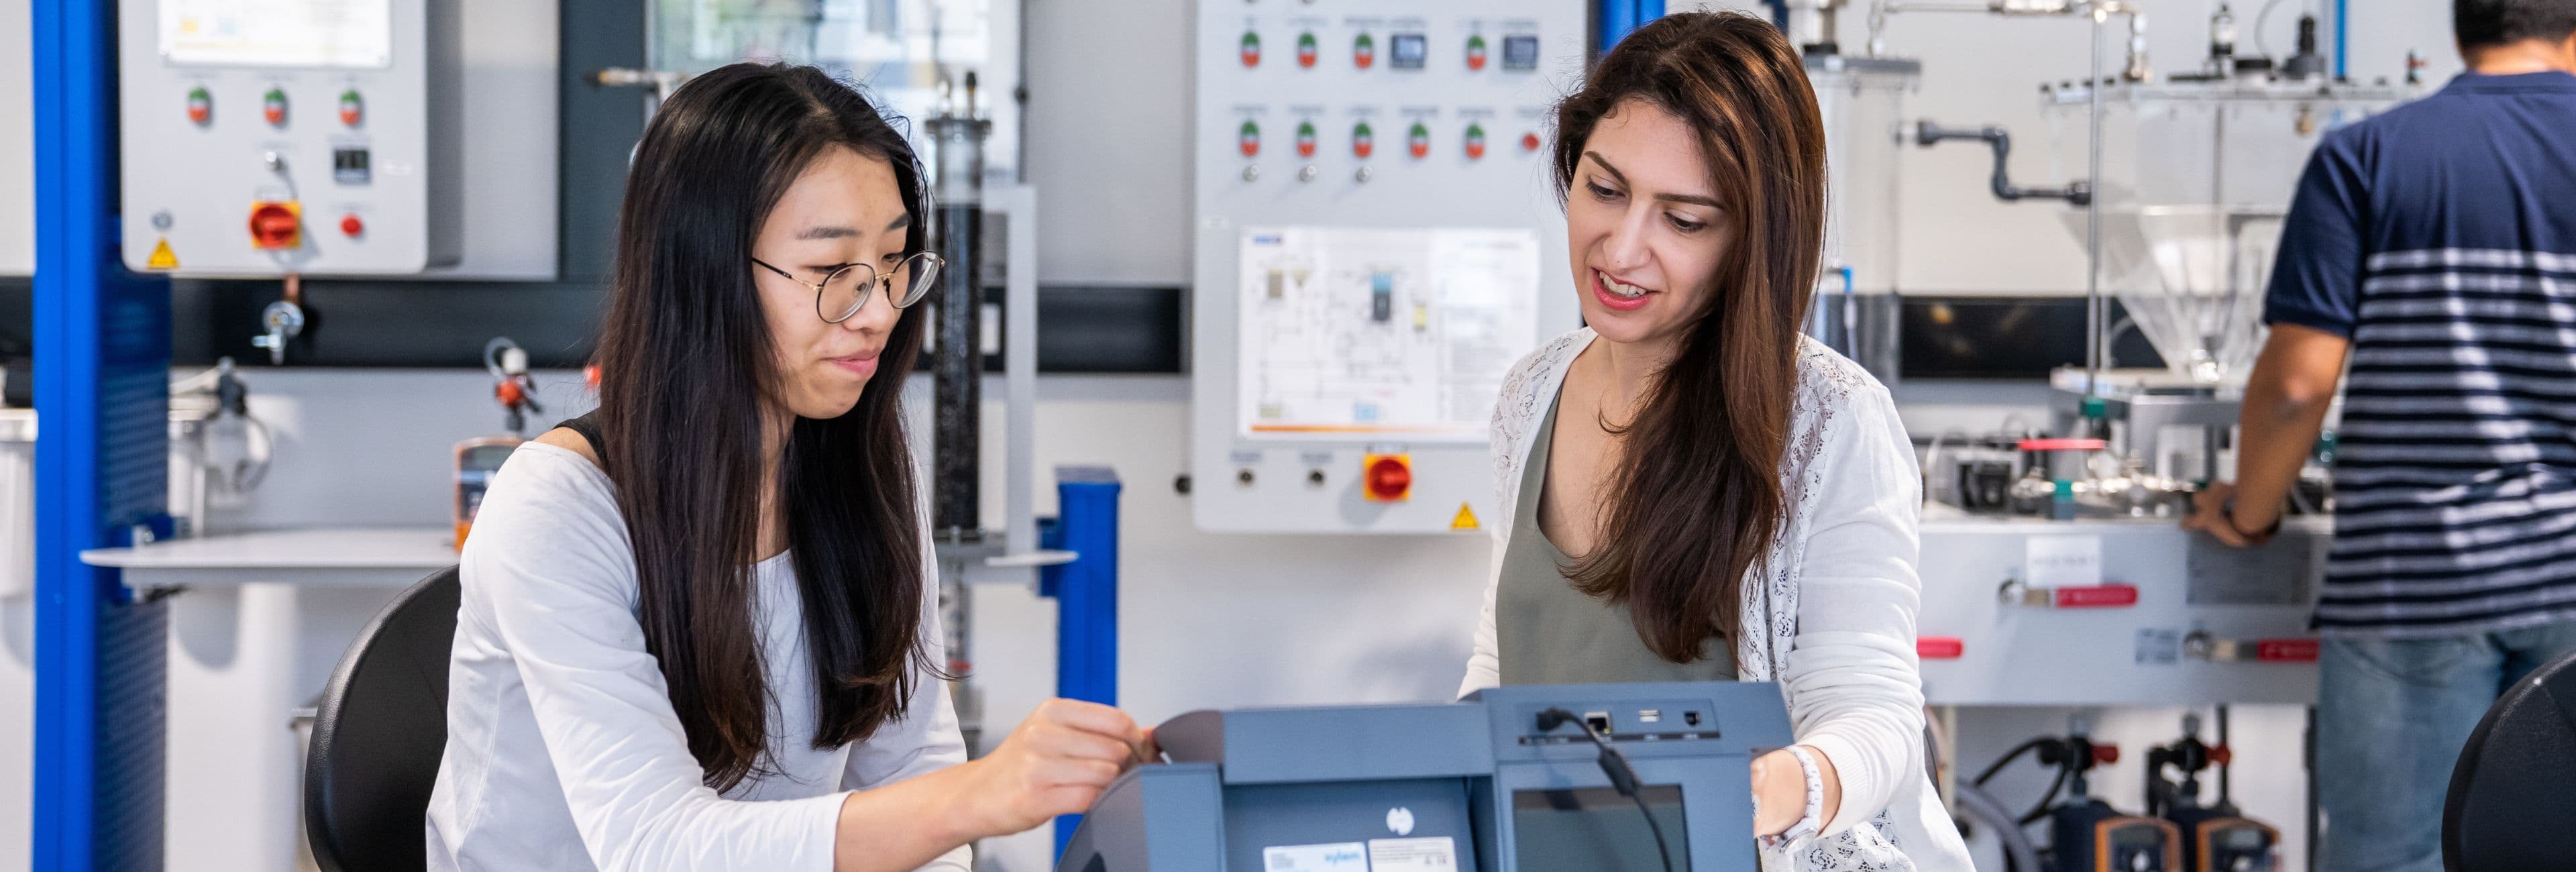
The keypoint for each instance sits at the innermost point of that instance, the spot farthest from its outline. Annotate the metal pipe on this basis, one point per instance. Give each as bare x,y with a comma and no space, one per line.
2096,346
2225,796
2341,9
2135,70
1927,133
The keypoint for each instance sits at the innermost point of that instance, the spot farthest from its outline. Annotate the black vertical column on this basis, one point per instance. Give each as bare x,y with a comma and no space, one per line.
957,362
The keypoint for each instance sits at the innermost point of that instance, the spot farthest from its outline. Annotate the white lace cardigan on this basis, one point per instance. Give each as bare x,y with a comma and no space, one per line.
1829,614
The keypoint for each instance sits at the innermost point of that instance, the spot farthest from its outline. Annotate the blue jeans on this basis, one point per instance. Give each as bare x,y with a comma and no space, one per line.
2392,716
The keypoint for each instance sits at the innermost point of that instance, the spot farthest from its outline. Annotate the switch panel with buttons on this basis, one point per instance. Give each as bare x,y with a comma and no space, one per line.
348,109
1360,288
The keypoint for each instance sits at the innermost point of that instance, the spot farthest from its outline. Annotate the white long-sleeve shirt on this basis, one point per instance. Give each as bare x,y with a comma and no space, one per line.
563,752
1829,613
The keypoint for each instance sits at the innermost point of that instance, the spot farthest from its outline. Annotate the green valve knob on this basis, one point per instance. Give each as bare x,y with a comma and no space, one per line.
2094,407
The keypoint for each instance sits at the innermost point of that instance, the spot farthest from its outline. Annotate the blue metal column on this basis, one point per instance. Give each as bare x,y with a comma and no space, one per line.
1618,17
1086,594
102,342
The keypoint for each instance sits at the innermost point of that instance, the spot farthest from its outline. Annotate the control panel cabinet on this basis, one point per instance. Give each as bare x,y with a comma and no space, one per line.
262,138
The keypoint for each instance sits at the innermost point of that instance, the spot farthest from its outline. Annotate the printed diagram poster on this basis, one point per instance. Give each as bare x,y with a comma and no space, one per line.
1379,334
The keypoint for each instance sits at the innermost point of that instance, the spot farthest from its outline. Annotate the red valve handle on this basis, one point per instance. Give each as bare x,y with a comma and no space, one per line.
1939,647
2286,650
2107,596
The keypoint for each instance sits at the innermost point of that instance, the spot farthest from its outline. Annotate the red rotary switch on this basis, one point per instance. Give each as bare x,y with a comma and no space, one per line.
276,225
1388,478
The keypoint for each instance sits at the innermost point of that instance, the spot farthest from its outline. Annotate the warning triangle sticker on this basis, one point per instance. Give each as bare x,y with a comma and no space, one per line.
162,257
1466,519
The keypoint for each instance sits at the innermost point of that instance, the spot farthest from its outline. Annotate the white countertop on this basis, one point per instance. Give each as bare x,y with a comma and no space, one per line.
346,557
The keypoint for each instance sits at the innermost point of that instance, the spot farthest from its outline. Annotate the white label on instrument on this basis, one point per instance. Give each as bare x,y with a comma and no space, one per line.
1430,854
1337,857
2063,561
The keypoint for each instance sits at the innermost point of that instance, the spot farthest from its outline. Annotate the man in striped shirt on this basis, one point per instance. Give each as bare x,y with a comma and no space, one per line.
2435,245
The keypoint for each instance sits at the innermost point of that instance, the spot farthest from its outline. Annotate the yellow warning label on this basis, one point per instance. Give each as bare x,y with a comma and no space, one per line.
1466,519
162,257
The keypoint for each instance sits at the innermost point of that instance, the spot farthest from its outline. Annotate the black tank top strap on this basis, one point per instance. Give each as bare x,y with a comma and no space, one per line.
588,426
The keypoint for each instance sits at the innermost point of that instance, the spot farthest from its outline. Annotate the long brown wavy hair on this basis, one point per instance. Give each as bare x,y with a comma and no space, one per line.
686,371
1697,502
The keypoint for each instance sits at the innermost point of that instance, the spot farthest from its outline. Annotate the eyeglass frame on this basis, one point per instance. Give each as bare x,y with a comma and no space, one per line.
882,283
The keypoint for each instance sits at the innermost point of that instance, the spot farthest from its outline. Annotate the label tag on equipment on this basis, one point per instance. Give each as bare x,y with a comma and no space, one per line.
1466,519
1430,854
162,257
2063,561
1338,857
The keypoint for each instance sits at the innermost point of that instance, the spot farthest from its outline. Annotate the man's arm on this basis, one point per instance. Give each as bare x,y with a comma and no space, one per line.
2286,399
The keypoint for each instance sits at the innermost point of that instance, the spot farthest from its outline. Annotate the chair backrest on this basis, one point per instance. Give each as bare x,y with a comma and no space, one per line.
2514,790
379,733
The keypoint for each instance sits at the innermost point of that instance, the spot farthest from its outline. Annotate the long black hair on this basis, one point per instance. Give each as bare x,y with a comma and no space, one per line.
686,374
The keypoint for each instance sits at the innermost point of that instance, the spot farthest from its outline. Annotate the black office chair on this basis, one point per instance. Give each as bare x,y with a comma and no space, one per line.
2514,790
378,736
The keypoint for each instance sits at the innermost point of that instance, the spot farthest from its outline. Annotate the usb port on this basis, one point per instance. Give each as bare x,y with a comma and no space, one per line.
1650,716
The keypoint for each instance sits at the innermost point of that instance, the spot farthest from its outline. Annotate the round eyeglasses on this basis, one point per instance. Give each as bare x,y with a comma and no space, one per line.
840,295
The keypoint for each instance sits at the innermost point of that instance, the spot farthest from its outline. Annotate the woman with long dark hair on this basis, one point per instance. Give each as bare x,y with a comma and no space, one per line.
1698,492
699,627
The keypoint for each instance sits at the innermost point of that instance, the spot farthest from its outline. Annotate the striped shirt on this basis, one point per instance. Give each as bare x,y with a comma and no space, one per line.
2440,237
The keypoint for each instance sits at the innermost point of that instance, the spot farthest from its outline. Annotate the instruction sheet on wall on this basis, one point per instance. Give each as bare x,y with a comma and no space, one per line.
1370,333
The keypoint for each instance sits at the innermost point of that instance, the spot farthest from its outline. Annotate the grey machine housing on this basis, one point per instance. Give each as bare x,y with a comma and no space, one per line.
1240,782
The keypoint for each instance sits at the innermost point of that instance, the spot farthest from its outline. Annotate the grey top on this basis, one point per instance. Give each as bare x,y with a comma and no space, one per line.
1549,633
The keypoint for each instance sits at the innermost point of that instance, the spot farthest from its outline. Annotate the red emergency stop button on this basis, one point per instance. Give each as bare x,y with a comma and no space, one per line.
276,225
352,227
1387,478
1939,647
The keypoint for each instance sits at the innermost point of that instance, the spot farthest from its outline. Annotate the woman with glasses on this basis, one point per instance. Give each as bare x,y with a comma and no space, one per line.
699,626
1695,491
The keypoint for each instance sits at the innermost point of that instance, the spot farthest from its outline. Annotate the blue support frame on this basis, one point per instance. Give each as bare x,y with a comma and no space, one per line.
102,342
1618,17
1086,594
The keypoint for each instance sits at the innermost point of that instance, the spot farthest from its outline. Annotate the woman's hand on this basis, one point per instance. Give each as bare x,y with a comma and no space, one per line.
1057,762
1780,791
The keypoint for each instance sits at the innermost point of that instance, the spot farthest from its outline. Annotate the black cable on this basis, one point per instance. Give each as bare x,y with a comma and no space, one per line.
1615,766
2007,758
